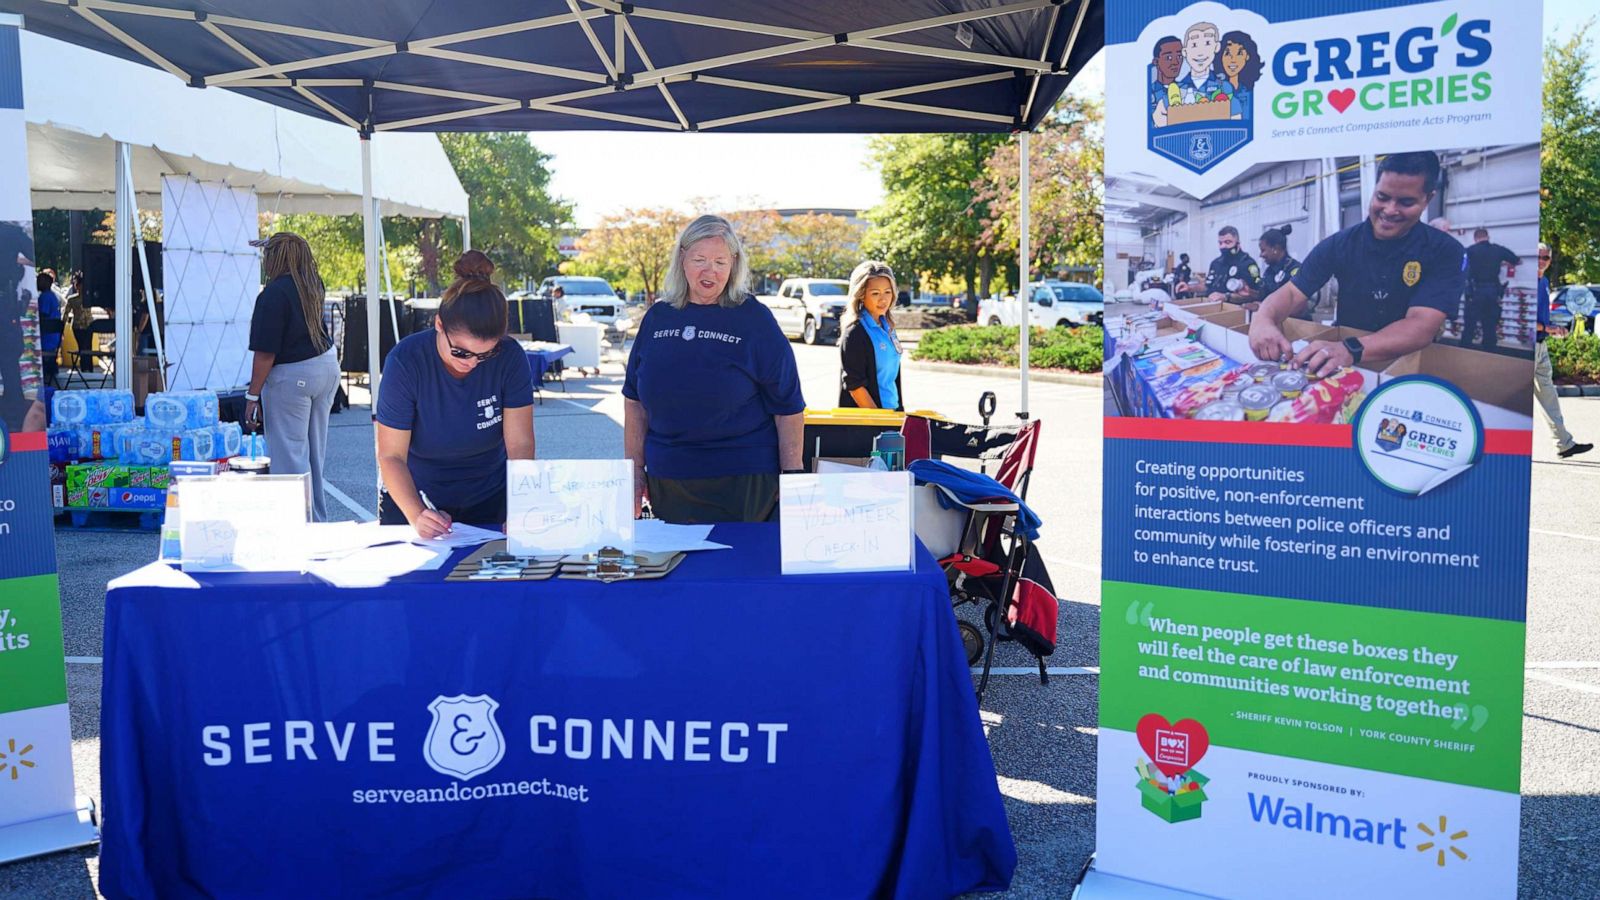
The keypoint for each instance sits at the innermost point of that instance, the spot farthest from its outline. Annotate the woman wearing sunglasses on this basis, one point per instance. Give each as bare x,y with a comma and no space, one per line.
454,404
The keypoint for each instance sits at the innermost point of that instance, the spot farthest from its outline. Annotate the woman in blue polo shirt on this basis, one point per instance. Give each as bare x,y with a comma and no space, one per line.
869,347
714,411
454,404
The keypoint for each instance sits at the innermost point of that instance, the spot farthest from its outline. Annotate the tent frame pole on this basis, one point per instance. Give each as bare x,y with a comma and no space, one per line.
370,245
144,270
123,255
1025,295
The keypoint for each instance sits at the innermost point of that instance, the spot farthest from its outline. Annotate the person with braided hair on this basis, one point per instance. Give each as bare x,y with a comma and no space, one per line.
456,403
296,369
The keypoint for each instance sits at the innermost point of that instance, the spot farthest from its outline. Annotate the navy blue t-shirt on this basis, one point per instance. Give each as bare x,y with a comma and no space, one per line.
711,379
458,445
1380,281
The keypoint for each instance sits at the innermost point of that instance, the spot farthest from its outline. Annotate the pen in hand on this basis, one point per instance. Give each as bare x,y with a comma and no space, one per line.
429,504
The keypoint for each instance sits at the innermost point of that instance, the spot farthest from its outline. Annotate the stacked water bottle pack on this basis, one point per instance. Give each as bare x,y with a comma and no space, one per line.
176,425
102,455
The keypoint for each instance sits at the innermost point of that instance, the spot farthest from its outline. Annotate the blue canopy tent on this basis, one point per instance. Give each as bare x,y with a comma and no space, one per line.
670,65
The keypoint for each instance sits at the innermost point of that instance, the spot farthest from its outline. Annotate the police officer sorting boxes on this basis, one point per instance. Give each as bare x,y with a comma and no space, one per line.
1397,277
1484,289
1233,276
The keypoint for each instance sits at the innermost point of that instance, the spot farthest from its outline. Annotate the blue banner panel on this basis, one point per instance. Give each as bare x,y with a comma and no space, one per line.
1310,523
721,732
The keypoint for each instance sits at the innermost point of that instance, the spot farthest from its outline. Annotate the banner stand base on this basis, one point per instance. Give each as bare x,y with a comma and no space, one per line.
1096,885
79,828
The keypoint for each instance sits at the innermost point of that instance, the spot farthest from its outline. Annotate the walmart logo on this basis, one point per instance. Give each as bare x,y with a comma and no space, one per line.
1443,839
13,761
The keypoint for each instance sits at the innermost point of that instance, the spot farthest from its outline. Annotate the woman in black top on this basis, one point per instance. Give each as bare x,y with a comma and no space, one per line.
296,369
869,346
1281,267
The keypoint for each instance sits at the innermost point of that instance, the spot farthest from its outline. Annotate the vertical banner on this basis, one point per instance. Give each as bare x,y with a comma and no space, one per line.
1321,231
37,805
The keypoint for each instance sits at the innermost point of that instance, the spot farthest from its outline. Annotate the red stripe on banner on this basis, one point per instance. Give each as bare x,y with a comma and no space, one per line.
1277,434
1507,441
1510,442
24,441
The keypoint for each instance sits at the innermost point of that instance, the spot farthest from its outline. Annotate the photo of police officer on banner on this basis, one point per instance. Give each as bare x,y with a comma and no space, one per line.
1346,270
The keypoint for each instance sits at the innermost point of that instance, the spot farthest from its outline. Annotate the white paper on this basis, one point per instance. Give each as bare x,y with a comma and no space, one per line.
833,467
375,566
846,523
156,574
244,523
568,506
656,536
460,535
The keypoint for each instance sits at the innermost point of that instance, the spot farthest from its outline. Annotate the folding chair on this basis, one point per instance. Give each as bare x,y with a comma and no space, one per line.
994,564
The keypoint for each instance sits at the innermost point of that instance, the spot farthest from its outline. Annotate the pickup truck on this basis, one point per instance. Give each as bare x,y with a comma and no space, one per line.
809,308
1055,303
592,297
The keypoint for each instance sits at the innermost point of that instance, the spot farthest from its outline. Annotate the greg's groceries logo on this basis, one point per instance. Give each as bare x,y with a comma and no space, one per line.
1421,65
1200,108
1415,433
463,740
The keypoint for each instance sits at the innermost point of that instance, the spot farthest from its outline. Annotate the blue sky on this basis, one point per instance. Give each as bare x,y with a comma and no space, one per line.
605,172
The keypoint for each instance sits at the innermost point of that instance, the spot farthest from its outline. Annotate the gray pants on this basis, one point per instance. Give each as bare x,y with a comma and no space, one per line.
295,403
1544,389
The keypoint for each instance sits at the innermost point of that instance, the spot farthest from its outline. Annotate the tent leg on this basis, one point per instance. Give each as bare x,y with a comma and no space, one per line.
149,290
370,242
388,286
1024,294
126,222
466,228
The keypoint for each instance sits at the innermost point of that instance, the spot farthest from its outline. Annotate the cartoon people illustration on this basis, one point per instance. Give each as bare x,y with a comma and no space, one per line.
1200,48
1166,63
1239,68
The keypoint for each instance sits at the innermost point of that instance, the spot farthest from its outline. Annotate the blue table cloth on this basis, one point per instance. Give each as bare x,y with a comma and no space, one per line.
723,732
541,361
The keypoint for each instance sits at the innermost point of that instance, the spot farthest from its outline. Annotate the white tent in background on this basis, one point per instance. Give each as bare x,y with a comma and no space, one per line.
84,107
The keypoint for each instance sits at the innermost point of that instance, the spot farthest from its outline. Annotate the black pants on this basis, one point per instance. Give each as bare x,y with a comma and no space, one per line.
490,513
703,501
1482,311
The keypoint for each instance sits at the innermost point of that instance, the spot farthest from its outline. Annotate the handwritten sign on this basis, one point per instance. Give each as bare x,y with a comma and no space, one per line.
243,523
858,522
557,507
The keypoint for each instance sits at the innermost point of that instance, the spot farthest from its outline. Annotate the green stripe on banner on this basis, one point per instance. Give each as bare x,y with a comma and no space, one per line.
1422,694
32,661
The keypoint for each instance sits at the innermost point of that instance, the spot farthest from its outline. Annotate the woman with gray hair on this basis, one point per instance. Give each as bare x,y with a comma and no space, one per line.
869,347
713,405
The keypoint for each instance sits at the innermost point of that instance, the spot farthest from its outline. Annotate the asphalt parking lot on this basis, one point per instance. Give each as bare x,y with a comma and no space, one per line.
1043,737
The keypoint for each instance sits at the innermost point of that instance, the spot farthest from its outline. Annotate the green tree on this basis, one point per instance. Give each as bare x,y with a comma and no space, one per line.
635,241
821,245
929,220
1570,152
1066,190
515,219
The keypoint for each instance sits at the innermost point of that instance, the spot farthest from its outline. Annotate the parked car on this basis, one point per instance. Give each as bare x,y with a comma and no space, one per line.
809,308
582,294
1575,300
1055,304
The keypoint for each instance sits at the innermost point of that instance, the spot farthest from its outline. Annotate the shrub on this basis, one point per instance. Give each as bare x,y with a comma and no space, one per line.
1575,357
1071,349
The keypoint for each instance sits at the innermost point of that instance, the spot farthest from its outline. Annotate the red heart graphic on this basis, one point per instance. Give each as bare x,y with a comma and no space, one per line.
1174,748
1341,100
